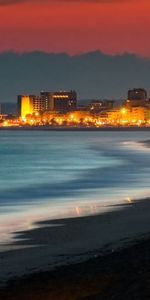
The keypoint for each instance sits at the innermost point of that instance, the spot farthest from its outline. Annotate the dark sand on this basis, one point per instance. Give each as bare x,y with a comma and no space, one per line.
121,275
104,256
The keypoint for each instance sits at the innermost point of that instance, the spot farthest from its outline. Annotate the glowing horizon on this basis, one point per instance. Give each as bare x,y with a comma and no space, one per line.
113,27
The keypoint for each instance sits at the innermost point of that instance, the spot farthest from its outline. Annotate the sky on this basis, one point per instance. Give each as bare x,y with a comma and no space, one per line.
75,26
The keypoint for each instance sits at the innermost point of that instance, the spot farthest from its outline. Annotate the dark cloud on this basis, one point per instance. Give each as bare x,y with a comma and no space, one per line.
31,72
9,2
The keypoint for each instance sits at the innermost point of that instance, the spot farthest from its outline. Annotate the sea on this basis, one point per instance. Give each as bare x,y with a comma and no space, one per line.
61,174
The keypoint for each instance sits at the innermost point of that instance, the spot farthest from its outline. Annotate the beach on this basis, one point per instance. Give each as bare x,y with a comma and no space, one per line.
72,246
123,274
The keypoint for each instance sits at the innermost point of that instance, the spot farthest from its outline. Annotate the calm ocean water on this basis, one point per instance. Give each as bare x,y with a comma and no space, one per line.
60,174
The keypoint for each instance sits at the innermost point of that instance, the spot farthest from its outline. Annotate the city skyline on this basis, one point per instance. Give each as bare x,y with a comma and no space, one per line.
61,109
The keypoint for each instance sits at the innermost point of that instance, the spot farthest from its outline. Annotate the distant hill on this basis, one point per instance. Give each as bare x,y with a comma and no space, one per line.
92,75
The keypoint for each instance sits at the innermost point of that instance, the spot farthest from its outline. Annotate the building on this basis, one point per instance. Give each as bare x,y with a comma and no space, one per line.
97,106
140,115
38,104
30,104
47,101
24,106
114,116
129,116
137,94
136,97
60,101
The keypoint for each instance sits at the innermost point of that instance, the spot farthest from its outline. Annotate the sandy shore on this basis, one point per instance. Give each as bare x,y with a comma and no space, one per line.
121,275
74,240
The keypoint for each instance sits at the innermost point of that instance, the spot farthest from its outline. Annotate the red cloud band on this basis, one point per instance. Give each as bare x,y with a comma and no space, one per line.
9,2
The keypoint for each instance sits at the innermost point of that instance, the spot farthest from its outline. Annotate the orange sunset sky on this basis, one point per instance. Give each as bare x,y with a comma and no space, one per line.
75,26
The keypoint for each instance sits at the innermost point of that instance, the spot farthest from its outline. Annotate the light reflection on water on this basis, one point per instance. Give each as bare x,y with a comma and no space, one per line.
62,174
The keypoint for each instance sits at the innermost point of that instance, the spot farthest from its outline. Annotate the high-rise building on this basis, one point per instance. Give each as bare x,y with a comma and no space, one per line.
136,97
24,106
47,101
137,94
30,104
60,101
39,104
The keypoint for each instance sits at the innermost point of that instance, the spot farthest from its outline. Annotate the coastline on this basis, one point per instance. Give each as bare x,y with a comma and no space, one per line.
69,128
73,244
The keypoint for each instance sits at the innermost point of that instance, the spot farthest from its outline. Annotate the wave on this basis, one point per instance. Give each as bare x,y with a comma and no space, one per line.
58,170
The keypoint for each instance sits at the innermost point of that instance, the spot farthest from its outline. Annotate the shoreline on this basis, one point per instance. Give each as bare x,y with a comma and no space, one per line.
121,274
69,128
77,240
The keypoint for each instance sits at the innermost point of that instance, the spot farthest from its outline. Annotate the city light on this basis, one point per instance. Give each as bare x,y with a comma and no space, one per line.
123,111
53,109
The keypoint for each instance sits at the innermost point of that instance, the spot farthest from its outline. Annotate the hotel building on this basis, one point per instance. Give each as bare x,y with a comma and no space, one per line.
47,101
60,101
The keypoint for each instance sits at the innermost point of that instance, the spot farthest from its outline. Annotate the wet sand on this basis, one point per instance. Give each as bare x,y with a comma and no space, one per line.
88,247
121,275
